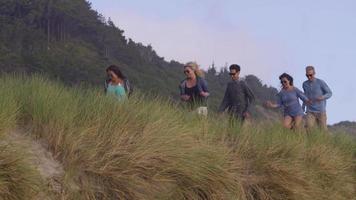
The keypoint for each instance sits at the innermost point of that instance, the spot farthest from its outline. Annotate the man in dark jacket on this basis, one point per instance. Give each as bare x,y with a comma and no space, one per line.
238,96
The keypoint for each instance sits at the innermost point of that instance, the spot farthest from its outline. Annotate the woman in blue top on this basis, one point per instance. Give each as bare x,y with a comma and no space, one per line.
115,86
288,98
194,89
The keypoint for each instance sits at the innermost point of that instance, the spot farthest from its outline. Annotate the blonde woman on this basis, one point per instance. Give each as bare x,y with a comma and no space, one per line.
194,89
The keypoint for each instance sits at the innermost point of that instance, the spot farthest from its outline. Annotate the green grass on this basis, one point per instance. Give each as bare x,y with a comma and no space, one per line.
18,180
8,108
148,148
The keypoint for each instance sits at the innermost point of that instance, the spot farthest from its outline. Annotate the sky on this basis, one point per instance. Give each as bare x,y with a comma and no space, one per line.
265,37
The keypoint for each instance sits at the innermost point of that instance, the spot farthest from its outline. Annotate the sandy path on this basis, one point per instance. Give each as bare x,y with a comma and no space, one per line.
39,157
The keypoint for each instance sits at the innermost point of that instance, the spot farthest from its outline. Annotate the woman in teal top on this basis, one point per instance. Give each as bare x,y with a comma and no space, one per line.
115,86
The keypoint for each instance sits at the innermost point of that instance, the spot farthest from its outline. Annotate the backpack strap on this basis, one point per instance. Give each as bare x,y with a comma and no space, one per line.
106,85
128,87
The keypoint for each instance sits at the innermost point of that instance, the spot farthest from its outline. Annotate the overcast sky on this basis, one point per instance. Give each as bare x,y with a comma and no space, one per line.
265,37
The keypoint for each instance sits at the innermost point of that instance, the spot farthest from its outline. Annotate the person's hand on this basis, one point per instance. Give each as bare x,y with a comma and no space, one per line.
268,104
246,115
309,102
185,97
204,94
320,98
221,114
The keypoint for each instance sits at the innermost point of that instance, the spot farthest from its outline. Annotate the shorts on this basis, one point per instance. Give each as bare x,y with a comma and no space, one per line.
202,110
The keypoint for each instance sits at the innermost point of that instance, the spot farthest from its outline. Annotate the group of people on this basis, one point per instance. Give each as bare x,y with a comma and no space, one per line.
238,96
316,92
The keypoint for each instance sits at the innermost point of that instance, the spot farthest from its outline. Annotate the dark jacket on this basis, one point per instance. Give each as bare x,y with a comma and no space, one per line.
237,98
196,99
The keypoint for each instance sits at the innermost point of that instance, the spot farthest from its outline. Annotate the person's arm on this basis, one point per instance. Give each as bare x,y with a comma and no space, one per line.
250,97
269,104
305,87
326,90
203,88
304,104
225,102
279,103
302,96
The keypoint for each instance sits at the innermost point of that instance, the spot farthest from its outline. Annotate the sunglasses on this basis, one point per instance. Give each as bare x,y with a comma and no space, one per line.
283,82
232,74
309,75
186,71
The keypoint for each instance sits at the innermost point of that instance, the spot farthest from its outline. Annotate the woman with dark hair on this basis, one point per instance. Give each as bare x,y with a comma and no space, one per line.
288,98
194,89
117,83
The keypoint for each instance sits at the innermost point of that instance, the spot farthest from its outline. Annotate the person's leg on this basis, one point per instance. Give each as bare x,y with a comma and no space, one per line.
246,122
235,120
239,118
310,120
203,111
287,122
322,118
298,123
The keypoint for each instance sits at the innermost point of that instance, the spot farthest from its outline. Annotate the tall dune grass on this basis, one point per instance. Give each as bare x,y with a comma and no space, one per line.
147,148
8,108
18,180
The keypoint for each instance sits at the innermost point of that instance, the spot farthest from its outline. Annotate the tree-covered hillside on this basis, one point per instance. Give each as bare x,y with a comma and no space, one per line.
68,40
348,127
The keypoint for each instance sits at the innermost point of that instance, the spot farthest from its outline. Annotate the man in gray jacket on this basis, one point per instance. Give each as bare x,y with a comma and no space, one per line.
318,92
238,96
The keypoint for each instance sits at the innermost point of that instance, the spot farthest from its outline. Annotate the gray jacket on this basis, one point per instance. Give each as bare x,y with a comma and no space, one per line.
238,97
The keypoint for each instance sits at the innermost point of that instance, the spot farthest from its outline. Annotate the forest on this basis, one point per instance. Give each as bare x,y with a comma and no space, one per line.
68,40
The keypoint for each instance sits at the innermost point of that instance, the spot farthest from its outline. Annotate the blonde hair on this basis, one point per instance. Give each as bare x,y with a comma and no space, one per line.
195,67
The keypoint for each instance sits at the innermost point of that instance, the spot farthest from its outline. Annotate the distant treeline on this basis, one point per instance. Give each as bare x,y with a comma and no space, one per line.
348,127
69,41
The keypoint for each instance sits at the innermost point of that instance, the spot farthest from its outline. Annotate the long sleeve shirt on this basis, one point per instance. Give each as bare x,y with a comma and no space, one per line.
238,97
315,89
289,100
